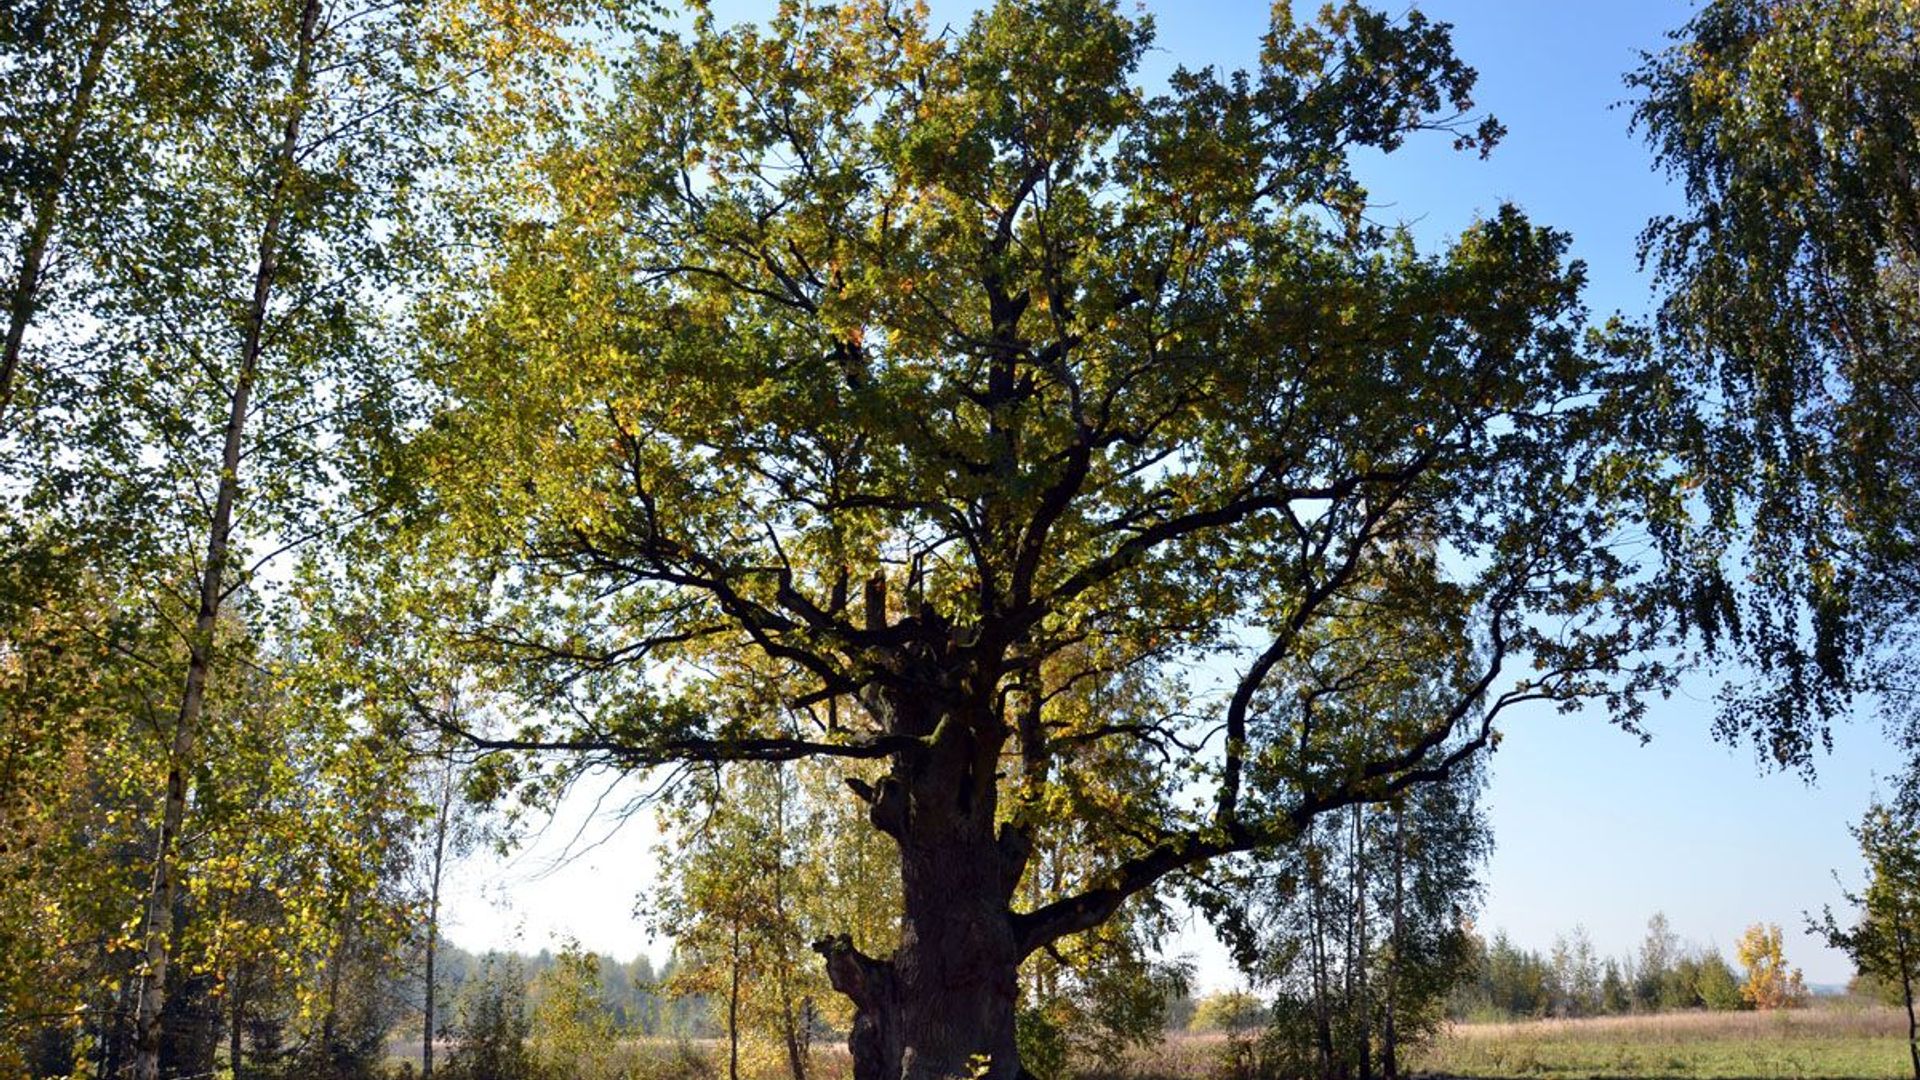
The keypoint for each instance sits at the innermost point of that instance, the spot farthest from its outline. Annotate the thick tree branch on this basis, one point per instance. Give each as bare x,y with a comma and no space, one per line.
706,750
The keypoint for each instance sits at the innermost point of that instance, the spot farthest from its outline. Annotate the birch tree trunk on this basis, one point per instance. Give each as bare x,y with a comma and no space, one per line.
440,825
1363,1034
164,886
1389,1043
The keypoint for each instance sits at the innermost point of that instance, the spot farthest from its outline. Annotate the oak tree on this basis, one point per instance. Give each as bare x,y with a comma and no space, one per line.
922,382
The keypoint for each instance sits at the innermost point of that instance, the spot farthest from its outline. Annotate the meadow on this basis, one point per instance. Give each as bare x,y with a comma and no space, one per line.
1822,1043
1831,1041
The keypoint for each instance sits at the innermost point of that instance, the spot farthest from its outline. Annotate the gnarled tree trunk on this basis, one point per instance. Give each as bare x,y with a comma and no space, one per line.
943,1004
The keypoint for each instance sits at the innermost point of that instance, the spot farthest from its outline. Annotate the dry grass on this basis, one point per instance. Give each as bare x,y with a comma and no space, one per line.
1180,1056
1826,1043
1831,1022
1830,1043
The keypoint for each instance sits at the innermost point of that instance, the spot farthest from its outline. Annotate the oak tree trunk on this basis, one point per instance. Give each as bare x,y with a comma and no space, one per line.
957,966
943,1004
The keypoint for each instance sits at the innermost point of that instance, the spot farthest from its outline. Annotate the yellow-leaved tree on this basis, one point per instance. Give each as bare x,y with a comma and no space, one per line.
1770,983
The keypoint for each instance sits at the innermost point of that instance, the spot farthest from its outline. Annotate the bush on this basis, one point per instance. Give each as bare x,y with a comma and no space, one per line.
493,1027
1230,1011
1717,985
1044,1047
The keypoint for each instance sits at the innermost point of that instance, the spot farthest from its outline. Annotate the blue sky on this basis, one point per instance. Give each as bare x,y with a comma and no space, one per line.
1590,827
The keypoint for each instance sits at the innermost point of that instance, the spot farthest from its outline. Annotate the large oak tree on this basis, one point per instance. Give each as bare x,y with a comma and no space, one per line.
1006,421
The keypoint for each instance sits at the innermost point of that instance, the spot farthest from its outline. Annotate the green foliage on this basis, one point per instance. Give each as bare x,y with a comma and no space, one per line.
1789,321
1716,984
571,1031
1864,988
1232,1011
935,416
1361,931
1508,982
494,1027
1045,1045
842,389
203,782
1615,997
756,866
1882,940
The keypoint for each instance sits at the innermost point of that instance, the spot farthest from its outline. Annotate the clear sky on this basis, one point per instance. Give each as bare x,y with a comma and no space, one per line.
1591,827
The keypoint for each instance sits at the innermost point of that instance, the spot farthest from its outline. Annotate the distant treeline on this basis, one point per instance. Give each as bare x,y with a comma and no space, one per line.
1501,981
633,995
1571,979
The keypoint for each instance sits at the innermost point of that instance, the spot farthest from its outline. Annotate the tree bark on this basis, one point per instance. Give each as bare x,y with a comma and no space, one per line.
733,1007
874,1041
440,825
239,1013
25,296
1389,1037
943,1005
164,886
1906,993
1362,1010
958,968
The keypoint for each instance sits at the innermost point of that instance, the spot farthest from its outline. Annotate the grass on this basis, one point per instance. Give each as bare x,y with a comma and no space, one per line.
1830,1043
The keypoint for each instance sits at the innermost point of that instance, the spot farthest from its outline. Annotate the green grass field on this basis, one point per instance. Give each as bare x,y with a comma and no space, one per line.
1831,1043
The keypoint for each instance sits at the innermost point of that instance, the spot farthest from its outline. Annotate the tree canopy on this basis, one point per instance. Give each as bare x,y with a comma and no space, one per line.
1789,317
844,389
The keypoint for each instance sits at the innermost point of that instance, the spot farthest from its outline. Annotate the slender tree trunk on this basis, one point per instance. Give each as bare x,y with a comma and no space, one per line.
113,1054
1906,994
1322,1009
24,298
336,967
789,1025
1389,1040
440,823
796,1048
733,1008
1362,1010
164,887
238,1014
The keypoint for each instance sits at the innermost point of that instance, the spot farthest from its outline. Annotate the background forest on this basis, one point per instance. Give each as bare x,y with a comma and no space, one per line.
994,501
